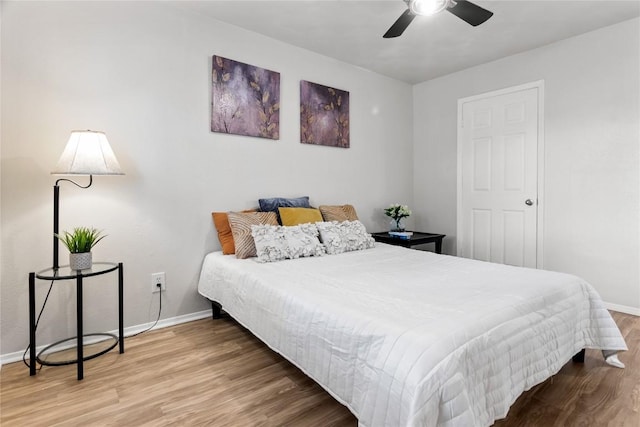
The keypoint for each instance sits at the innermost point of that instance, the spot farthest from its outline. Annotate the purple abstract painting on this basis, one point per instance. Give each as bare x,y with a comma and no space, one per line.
245,99
324,115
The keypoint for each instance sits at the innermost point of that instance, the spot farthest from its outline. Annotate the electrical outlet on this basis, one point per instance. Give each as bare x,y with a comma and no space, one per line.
158,279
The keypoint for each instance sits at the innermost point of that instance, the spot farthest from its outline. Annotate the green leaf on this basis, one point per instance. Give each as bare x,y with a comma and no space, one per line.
81,239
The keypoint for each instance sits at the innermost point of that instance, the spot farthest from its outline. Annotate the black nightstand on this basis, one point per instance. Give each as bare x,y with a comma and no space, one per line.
418,238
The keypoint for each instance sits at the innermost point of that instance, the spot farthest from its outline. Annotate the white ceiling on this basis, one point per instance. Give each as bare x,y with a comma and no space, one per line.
351,30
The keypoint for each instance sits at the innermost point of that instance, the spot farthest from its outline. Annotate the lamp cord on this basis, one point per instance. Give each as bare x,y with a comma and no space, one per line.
24,355
154,323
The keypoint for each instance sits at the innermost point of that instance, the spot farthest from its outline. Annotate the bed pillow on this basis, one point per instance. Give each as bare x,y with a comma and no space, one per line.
241,229
296,216
221,221
346,236
338,213
276,243
272,204
270,242
302,241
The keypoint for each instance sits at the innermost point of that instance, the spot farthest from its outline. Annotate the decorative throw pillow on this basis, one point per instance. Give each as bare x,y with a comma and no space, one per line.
275,243
221,221
241,229
271,244
272,204
346,236
302,241
295,216
339,213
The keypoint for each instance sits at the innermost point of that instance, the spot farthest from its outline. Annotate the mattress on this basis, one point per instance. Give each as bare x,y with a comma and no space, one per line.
412,338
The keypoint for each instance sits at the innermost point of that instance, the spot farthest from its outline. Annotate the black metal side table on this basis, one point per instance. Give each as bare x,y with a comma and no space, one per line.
65,273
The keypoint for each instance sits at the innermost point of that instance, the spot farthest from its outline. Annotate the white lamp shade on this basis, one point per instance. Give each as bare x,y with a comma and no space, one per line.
87,153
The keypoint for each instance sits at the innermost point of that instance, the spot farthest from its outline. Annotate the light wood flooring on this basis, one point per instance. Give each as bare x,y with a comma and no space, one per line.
216,373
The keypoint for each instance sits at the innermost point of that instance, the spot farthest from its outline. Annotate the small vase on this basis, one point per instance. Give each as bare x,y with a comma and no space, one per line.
80,261
397,224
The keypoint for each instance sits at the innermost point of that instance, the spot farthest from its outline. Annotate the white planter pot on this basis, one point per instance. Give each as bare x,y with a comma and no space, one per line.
80,261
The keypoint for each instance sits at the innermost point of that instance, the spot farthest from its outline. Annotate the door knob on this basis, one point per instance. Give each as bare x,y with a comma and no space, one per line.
528,202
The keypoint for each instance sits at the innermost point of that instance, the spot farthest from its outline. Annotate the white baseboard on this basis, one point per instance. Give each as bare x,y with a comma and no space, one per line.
164,323
622,308
131,330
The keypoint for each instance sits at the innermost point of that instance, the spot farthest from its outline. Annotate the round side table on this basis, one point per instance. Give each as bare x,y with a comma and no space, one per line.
65,273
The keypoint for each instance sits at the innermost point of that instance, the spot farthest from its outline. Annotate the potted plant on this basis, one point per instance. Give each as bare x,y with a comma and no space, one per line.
80,242
397,213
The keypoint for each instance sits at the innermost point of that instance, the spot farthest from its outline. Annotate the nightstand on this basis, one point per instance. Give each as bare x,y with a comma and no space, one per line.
65,273
418,238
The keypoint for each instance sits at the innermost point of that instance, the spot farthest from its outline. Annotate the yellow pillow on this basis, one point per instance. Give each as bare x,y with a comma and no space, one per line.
295,216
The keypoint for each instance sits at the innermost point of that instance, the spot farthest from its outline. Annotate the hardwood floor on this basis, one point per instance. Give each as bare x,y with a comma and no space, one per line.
216,373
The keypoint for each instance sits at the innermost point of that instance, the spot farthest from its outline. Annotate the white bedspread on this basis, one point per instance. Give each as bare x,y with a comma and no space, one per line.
411,338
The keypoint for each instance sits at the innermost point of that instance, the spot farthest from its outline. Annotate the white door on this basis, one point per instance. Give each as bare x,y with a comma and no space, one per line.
498,137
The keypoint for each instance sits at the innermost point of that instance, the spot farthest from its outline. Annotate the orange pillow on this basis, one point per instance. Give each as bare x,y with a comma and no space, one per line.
221,221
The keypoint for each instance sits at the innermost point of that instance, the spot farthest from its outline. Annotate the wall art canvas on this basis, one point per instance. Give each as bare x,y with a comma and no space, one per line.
324,115
245,100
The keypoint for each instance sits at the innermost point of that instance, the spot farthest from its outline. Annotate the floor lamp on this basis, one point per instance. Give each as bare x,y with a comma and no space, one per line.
87,153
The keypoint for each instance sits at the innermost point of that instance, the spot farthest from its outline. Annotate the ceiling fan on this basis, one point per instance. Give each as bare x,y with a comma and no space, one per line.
465,10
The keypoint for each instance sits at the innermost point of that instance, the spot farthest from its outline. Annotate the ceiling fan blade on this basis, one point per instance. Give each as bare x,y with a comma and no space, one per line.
400,25
470,12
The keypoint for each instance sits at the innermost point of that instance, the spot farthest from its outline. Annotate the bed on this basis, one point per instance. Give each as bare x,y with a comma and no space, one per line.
412,338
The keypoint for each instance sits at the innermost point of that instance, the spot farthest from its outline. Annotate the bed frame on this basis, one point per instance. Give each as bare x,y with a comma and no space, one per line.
216,309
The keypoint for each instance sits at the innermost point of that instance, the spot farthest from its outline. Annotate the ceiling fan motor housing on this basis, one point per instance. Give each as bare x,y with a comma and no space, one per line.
427,7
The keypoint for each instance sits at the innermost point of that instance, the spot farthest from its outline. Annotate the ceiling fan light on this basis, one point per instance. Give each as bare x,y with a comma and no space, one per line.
427,7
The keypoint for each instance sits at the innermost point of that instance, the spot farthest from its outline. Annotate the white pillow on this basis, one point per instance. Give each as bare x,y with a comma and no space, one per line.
302,241
276,242
346,236
271,245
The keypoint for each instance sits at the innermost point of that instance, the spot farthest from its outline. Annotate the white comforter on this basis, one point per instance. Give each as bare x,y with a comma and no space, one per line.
411,338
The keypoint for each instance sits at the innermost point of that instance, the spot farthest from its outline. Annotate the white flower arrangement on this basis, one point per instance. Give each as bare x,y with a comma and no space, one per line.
397,211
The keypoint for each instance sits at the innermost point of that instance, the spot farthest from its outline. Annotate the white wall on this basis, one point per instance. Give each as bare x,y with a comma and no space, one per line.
592,158
140,71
